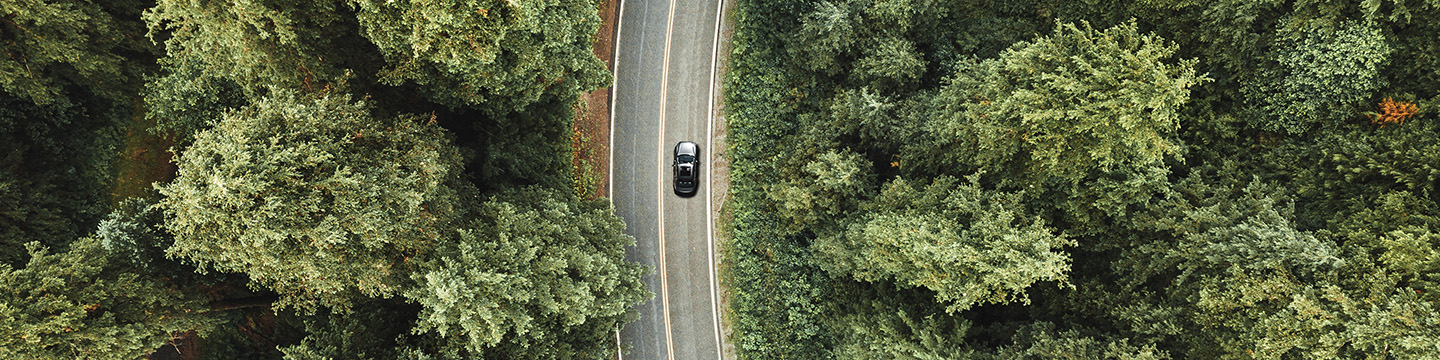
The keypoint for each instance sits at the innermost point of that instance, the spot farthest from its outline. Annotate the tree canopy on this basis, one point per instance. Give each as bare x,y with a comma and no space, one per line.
1078,101
1093,180
81,304
314,199
350,179
532,269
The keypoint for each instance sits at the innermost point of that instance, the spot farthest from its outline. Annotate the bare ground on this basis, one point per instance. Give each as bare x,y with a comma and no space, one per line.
593,123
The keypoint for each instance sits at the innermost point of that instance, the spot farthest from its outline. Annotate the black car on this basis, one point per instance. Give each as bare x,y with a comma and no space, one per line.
687,168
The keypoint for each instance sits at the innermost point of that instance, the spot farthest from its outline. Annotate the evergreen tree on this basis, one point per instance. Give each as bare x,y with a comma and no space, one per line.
28,215
52,45
1320,75
535,275
314,198
500,54
81,304
969,245
1076,102
883,323
497,56
1177,227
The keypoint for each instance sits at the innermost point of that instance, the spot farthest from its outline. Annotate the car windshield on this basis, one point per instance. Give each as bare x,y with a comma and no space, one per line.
686,158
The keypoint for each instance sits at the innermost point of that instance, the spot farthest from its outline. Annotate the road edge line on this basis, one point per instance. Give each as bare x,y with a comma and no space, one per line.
709,177
610,147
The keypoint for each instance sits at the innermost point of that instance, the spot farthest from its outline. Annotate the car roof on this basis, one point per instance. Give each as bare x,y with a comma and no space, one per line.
686,148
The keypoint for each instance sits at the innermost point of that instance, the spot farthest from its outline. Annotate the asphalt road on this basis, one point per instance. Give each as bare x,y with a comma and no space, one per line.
664,71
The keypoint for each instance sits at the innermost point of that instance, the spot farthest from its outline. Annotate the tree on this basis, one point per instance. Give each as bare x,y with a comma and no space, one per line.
827,34
971,246
222,56
80,304
535,274
888,323
66,68
502,55
1175,213
29,213
52,45
1320,78
1063,106
498,56
375,329
1041,340
313,198
837,183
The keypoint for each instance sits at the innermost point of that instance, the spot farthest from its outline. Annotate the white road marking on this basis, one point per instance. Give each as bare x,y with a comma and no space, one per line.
710,182
660,179
614,86
610,146
619,351
660,183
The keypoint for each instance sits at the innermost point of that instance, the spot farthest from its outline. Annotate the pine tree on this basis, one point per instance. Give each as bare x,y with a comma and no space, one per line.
1064,106
971,246
314,198
535,275
1320,75
500,54
80,304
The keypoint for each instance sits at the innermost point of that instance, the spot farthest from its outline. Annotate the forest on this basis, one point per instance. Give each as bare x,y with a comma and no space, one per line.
1041,179
303,179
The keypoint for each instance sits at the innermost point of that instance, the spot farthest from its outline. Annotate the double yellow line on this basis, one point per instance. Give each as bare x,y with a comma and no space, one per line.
660,178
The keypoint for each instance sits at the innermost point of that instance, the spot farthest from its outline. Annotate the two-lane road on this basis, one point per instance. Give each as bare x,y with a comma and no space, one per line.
664,91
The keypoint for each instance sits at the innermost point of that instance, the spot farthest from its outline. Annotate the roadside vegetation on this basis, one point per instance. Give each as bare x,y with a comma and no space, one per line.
339,179
922,179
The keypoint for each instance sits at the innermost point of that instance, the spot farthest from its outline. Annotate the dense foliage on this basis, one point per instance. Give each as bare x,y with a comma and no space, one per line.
313,199
83,304
350,179
920,179
533,275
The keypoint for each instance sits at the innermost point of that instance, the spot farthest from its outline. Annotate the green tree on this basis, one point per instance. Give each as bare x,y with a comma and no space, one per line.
1063,106
313,198
66,70
1041,340
837,183
50,45
828,33
1156,189
535,274
223,55
500,54
375,329
81,304
888,323
29,213
1320,74
971,246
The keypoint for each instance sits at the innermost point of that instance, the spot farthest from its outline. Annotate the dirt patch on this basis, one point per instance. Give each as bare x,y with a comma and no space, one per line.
145,160
591,141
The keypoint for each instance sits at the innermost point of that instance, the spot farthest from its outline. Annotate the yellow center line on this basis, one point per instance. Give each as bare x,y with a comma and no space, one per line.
660,182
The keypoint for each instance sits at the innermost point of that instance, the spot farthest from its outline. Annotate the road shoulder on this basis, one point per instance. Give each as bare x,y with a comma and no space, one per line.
720,180
591,143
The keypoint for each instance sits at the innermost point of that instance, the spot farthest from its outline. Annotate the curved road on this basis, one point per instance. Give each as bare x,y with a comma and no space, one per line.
664,89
